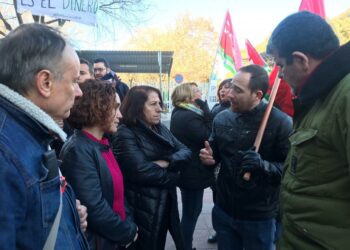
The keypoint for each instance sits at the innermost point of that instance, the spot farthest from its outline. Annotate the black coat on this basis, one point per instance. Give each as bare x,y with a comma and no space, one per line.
218,107
193,130
150,189
120,87
87,171
233,132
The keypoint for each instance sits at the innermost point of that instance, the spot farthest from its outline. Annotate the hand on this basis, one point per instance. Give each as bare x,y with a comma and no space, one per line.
162,163
82,211
252,162
206,154
203,105
117,78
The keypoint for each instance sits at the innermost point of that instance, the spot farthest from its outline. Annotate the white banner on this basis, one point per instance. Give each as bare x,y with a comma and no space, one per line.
83,11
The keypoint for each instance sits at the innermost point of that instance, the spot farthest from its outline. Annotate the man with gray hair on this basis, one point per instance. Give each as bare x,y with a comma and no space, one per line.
38,83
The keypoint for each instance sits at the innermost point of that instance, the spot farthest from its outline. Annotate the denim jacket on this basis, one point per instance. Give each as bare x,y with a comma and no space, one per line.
29,199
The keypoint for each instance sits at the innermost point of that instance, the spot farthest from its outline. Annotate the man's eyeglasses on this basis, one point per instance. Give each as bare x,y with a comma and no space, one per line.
99,69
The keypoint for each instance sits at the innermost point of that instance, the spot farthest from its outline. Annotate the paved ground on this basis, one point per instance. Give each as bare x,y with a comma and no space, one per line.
204,227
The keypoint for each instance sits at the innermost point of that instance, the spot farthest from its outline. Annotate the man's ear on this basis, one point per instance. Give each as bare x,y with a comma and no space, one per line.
259,94
301,60
44,82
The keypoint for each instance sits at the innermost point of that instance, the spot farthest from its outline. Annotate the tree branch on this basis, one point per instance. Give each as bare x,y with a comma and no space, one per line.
52,21
7,25
60,22
2,33
117,2
6,3
36,18
19,16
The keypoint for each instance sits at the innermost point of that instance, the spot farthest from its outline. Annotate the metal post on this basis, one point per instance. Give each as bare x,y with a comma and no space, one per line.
160,72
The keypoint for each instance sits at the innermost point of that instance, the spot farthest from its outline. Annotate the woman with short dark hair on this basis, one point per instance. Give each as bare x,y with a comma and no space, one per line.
223,96
150,158
89,165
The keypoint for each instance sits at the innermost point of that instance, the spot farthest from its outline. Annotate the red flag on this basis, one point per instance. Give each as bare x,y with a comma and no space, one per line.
228,59
254,56
229,44
314,6
284,95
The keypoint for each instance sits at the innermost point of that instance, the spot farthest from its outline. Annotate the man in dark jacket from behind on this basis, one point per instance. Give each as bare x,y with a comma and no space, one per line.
245,210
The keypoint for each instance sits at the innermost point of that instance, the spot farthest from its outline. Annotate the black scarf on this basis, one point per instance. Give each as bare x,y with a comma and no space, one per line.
325,77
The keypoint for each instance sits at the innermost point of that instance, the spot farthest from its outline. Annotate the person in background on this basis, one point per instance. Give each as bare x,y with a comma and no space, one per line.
150,158
191,125
86,71
103,72
224,103
223,95
38,84
89,165
245,209
315,199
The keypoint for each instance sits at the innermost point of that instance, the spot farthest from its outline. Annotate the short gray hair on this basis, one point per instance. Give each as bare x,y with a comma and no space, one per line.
27,50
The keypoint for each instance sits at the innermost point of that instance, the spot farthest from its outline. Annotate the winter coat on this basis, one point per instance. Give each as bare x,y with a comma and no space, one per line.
234,132
149,188
29,179
315,198
192,130
218,107
120,87
86,170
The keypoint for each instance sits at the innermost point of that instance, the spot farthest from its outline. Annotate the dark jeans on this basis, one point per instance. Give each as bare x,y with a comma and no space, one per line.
278,232
192,201
242,234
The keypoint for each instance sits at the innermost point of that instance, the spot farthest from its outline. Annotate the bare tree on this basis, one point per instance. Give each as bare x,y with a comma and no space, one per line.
125,12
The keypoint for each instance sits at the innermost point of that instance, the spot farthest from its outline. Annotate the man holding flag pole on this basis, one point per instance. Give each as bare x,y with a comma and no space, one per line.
245,209
283,99
227,62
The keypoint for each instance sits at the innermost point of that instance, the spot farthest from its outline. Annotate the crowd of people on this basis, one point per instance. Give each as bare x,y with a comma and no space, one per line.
86,163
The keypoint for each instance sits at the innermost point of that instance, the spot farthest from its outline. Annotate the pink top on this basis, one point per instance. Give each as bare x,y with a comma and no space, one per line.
117,177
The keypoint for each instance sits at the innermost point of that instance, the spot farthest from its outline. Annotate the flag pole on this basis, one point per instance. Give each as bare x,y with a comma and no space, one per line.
264,120
217,52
